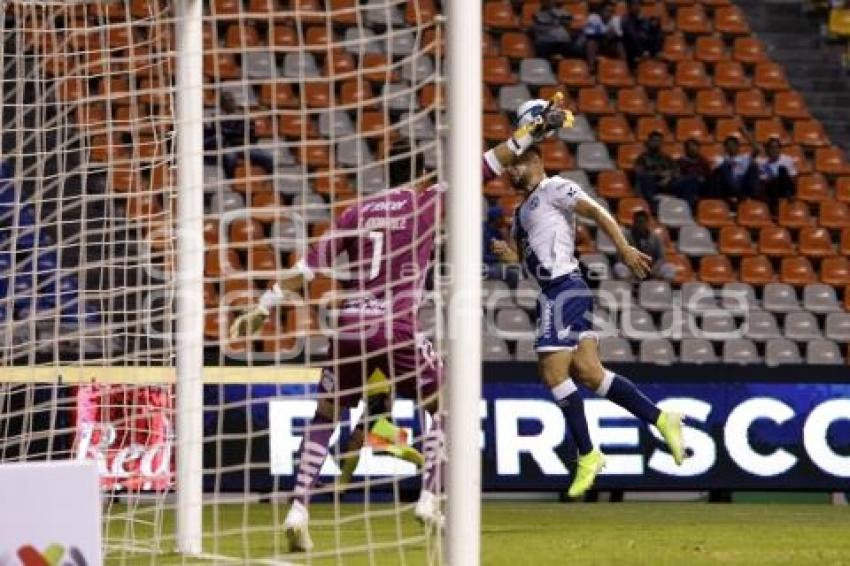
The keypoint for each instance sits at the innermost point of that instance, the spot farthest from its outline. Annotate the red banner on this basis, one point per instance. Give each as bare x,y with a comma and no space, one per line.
128,431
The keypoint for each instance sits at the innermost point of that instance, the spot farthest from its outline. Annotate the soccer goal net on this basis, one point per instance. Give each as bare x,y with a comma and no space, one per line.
303,103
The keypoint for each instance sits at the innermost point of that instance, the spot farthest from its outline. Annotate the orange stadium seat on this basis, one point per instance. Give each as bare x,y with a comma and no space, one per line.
750,104
497,71
816,242
496,127
649,124
315,153
377,69
614,73
810,134
812,188
221,66
731,20
674,102
374,124
339,63
245,232
692,128
712,103
309,11
693,20
691,75
675,48
654,74
267,8
844,243
627,207
211,231
790,105
239,36
262,258
736,241
710,49
264,127
584,241
488,101
331,183
508,204
714,213
682,265
770,76
296,125
579,13
318,94
489,47
711,152
496,188
225,8
627,154
500,15
529,8
726,127
428,95
318,38
594,101
716,270
278,95
658,10
754,214
283,37
749,50
266,205
842,189
757,271
769,129
795,152
660,230
634,102
575,74
249,178
730,76
210,296
673,149
417,12
516,45
831,161
556,156
797,271
794,214
834,214
775,241
835,271
615,130
221,262
614,185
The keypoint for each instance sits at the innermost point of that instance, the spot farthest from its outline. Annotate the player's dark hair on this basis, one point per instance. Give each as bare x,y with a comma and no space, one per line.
406,164
535,150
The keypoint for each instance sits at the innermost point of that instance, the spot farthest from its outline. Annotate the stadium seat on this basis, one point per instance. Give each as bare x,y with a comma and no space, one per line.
837,326
594,101
634,102
831,161
736,241
815,241
781,351
754,214
736,297
511,96
613,349
654,295
220,263
536,72
801,163
398,97
781,297
654,74
794,214
698,297
757,270
740,351
636,323
695,240
823,352
512,322
673,102
692,128
494,349
647,125
730,20
594,157
771,128
718,325
814,189
677,324
581,131
614,130
516,45
684,272
556,155
790,105
710,49
834,215
750,104
714,213
693,20
712,103
614,73
674,212
835,271
497,71
580,178
801,326
716,270
810,134
525,351
627,154
574,73
761,326
775,241
658,351
627,207
697,351
749,50
675,48
499,16
820,298
614,185
691,75
496,128
770,76
730,76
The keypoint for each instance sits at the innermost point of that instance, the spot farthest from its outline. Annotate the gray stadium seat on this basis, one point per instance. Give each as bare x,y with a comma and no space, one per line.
674,212
698,296
371,179
614,295
536,72
636,324
604,322
781,351
290,181
594,156
353,152
580,178
416,126
259,65
527,292
286,235
655,295
801,326
718,325
740,351
300,64
213,178
317,346
225,201
696,240
378,13
677,324
495,294
605,244
242,93
494,349
335,123
402,43
820,298
418,69
513,323
511,96
761,326
525,351
399,97
738,297
697,351
823,352
427,319
359,39
615,349
598,265
311,206
282,156
657,351
838,326
581,131
780,297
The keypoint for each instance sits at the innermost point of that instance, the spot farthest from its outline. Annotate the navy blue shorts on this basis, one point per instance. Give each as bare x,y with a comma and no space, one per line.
564,311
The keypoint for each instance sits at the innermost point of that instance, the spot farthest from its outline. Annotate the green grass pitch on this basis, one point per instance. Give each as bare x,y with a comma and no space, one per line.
538,534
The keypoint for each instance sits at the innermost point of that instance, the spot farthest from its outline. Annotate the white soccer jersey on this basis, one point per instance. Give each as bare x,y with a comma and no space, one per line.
545,228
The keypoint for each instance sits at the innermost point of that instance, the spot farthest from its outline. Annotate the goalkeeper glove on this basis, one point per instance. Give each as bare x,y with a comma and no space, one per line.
539,119
248,323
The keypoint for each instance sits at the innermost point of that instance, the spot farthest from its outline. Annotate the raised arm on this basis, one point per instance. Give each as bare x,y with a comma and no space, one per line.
637,261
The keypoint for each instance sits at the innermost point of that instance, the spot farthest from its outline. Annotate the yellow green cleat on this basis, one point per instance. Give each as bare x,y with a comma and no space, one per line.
670,427
388,438
588,466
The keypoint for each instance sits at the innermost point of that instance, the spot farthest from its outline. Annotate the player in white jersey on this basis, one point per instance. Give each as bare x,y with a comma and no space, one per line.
544,235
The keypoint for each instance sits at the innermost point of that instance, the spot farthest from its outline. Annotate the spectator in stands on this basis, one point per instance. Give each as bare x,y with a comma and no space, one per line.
493,267
603,35
549,30
642,37
694,171
777,174
654,171
735,174
231,137
640,236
